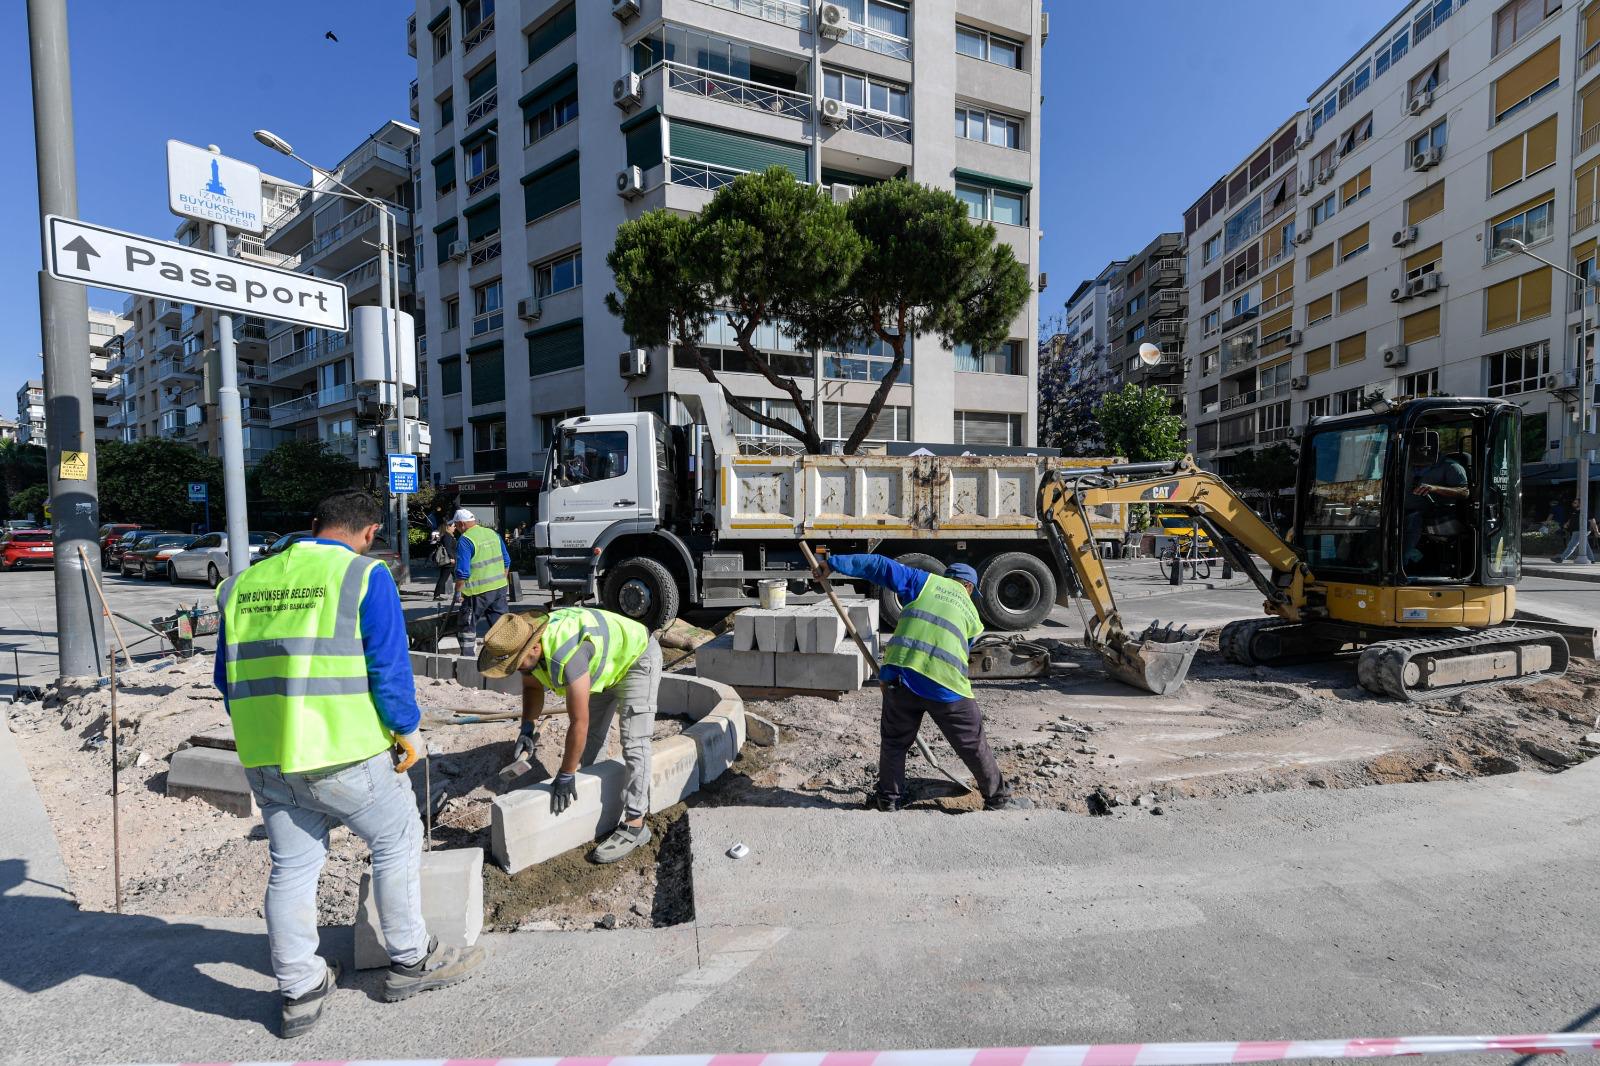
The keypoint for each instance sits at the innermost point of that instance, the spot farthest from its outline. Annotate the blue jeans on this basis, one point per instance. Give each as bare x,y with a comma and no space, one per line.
299,810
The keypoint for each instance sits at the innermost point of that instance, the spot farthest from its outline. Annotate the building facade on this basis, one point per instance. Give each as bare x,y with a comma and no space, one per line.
1150,305
106,329
604,110
30,412
1361,249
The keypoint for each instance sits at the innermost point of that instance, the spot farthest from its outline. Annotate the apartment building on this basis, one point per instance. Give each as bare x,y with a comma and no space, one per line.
162,361
105,342
616,107
30,412
326,233
1088,345
1150,305
1369,256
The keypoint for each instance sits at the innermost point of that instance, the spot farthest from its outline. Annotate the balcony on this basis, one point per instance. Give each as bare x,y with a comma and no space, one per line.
1243,399
1167,271
169,313
1172,328
252,331
1168,302
302,407
168,342
416,108
483,106
1268,436
411,43
483,182
888,44
876,125
485,250
1240,319
700,175
171,370
781,12
473,36
752,95
361,278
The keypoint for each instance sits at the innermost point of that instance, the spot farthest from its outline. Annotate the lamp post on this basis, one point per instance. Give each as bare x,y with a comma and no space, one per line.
1584,400
388,253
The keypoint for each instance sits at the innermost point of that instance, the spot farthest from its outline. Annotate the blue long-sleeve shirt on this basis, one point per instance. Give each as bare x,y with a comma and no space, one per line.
906,582
464,555
383,640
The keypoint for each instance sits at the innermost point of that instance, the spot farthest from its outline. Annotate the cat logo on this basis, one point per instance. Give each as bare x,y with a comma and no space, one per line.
1158,492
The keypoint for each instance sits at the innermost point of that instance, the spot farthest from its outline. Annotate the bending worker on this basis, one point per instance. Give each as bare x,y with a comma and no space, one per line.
605,666
316,678
482,562
925,672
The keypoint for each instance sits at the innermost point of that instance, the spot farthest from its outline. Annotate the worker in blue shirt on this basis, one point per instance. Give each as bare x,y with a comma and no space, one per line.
924,672
482,566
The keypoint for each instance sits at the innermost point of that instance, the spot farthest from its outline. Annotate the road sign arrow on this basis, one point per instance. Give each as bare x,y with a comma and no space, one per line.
82,249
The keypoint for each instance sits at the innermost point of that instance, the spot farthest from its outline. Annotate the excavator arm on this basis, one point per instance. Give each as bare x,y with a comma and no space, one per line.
1158,659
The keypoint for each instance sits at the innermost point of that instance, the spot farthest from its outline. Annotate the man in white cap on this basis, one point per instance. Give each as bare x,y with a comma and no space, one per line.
482,563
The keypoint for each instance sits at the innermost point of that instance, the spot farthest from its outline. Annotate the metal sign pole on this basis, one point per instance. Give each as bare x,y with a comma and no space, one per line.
232,426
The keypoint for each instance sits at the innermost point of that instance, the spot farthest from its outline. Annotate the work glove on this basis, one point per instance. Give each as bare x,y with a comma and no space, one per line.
563,792
407,750
527,741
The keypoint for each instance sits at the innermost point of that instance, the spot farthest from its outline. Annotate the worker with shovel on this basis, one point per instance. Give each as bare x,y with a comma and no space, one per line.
925,673
606,666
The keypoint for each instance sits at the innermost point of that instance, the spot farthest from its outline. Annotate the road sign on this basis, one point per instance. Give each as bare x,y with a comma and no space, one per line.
198,493
213,188
402,473
94,255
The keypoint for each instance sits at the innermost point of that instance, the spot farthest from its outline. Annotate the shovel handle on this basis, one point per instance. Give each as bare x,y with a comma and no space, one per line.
833,598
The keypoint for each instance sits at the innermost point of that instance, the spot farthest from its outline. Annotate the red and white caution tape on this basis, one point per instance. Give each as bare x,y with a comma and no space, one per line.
1083,1054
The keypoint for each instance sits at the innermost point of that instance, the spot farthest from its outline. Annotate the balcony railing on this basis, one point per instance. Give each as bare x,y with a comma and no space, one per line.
416,107
782,12
1585,216
485,251
487,180
411,38
168,338
358,277
700,175
1267,436
877,41
166,309
1589,58
346,227
737,91
478,34
483,106
1172,327
1590,138
875,125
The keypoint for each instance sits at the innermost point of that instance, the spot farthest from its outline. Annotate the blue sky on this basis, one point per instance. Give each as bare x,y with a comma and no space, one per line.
1146,103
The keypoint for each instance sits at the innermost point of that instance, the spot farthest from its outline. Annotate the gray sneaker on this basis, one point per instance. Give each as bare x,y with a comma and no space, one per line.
622,841
441,966
301,1013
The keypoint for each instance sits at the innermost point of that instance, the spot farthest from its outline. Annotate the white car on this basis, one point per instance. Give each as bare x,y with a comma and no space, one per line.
207,558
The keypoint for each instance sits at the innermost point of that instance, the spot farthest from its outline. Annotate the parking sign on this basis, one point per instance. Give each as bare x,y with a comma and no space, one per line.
402,474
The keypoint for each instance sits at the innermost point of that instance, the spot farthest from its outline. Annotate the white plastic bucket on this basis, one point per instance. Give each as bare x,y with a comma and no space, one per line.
774,594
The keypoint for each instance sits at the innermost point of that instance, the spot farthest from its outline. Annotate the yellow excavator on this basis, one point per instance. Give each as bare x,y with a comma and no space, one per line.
1405,552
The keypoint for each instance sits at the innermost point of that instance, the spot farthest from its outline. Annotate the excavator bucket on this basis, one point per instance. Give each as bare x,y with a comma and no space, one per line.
1157,662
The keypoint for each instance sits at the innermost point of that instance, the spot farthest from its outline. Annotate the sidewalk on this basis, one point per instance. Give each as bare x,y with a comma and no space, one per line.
1567,571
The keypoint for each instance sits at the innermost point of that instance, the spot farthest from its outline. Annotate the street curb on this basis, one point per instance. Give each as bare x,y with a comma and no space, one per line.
1591,575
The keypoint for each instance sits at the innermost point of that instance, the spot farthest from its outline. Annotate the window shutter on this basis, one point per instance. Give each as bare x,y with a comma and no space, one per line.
551,187
1319,360
483,218
444,236
736,151
1277,323
1500,305
1353,295
450,375
1527,77
1321,261
1425,204
1583,251
1505,165
1589,106
548,94
1211,286
1591,27
481,82
444,170
1353,349
489,375
557,28
1356,238
555,348
1420,326
644,144
1427,255
1542,144
1535,295
1320,308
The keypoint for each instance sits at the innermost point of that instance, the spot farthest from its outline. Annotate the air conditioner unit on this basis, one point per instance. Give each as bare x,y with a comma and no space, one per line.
1302,142
1394,355
1430,282
1400,293
634,364
1308,186
457,250
1403,237
832,111
1325,176
1427,160
624,9
1550,381
1300,382
1420,102
832,19
841,192
627,91
1293,339
630,183
529,310
1304,237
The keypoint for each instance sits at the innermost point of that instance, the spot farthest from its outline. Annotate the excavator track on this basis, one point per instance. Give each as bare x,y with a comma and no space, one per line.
1436,668
1275,642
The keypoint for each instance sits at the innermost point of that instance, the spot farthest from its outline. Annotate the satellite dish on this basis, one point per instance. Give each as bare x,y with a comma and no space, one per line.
1149,354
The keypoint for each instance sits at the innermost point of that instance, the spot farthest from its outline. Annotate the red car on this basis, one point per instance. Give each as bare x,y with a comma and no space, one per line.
27,547
110,533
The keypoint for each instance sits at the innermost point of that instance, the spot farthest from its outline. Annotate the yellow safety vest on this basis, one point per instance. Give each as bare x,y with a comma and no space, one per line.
617,644
488,570
296,664
935,634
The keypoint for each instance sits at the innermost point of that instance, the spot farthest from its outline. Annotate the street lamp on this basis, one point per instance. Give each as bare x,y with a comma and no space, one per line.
1583,556
388,253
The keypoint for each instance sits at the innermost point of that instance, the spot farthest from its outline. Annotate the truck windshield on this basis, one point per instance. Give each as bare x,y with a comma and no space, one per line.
1344,504
593,455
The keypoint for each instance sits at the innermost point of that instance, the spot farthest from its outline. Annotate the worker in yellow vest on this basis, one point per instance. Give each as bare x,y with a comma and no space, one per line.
606,666
482,563
925,673
316,676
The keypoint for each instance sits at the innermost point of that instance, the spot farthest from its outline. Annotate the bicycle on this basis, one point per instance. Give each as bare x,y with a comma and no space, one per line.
1185,552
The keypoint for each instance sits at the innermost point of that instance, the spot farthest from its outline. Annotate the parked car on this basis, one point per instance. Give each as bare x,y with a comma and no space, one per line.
27,547
125,543
16,524
281,543
207,558
111,533
149,556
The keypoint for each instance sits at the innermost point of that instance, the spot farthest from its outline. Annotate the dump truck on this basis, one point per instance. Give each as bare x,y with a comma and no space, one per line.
648,519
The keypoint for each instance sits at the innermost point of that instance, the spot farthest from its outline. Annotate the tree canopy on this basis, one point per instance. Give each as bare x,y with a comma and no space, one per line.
297,474
1138,424
148,481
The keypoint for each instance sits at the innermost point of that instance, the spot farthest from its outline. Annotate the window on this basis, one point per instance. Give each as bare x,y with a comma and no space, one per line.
1433,137
441,39
1324,112
549,420
1319,360
1353,84
975,125
1353,243
1319,310
1420,327
1355,188
1423,262
839,420
1528,223
1422,383
1515,300
1243,226
1351,349
488,372
1323,161
1136,304
489,445
1211,286
1317,408
1523,155
884,16
994,205
474,12
1241,304
592,455
1527,81
1425,204
1320,261
1005,359
1389,54
444,172
484,155
450,375
990,47
1352,296
1349,401
1324,209
487,313
558,275
1356,135
1518,19
551,187
1211,249
1431,17
447,109
1211,323
868,94
1432,76
1518,369
857,360
558,347
452,312
550,109
552,31
984,427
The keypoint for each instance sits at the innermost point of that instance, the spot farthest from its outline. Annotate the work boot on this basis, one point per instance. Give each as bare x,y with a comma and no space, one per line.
879,802
1008,802
302,1012
441,966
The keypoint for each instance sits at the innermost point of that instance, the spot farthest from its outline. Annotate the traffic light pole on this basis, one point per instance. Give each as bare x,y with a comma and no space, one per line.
64,334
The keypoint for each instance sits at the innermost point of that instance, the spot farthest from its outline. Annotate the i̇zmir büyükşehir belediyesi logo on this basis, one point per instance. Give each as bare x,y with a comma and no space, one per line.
214,200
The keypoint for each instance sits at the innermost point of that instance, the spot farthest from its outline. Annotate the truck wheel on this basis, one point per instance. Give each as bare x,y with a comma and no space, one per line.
643,590
889,605
1015,591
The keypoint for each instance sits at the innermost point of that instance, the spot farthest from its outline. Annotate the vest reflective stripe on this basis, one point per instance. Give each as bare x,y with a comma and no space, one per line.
487,571
935,633
298,692
618,643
